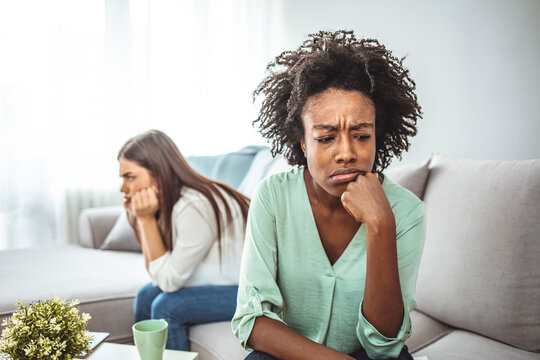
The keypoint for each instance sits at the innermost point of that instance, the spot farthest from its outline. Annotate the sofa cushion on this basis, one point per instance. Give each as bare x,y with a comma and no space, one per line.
216,341
105,282
463,345
425,331
121,237
96,223
479,270
229,168
412,177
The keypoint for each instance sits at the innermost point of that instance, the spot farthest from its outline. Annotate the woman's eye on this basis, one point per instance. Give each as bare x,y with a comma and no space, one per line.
131,178
363,137
325,139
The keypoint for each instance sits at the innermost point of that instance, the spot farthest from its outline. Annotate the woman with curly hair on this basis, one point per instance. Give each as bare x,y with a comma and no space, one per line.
333,246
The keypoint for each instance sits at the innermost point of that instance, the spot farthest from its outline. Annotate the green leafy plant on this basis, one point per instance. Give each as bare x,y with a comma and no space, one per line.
51,329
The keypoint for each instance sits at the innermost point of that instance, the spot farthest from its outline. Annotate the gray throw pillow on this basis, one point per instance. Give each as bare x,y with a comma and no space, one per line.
412,177
480,268
121,237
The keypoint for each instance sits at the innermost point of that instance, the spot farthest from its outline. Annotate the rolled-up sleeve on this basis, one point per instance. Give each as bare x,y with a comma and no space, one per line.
410,234
258,292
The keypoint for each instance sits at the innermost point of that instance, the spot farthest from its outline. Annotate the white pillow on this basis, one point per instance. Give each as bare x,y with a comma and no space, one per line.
121,237
412,177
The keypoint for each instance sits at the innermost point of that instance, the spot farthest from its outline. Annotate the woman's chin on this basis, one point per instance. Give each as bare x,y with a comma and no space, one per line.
336,190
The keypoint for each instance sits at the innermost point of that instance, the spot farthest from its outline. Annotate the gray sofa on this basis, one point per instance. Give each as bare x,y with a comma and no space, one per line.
478,288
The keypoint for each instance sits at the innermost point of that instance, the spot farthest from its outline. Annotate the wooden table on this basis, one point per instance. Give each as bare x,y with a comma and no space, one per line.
110,351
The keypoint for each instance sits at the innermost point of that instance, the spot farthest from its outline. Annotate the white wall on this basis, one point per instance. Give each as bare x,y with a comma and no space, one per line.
476,65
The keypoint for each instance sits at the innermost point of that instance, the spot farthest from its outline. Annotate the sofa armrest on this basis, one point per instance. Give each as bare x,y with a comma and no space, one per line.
96,223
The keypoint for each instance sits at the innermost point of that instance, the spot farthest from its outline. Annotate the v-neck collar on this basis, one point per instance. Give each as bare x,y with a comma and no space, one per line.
317,236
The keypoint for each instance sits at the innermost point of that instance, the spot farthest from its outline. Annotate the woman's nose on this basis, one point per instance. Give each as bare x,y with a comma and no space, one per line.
345,151
123,188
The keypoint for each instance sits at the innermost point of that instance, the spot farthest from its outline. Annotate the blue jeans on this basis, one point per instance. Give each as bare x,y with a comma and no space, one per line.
189,305
359,355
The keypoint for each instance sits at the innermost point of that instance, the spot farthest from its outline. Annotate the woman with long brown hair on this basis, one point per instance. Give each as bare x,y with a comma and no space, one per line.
190,229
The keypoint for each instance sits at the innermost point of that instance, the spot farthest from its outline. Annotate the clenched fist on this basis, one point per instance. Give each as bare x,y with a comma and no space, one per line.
365,200
144,203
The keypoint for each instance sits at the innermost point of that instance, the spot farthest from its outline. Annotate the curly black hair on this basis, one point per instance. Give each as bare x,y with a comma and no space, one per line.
338,60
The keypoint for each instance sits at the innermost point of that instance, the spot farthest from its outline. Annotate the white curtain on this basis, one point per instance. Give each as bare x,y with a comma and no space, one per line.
79,77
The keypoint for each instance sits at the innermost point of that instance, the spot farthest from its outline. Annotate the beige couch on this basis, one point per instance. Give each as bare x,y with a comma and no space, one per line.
478,288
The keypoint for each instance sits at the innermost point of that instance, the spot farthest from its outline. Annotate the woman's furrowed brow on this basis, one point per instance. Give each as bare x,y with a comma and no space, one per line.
362,125
325,127
334,127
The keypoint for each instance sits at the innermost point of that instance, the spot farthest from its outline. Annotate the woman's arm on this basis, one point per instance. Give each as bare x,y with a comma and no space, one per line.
382,306
194,234
144,206
275,338
151,240
383,303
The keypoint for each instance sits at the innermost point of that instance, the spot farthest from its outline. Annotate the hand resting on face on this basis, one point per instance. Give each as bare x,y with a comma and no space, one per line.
144,204
365,200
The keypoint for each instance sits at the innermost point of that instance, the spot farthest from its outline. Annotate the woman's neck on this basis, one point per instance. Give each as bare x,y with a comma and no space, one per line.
320,197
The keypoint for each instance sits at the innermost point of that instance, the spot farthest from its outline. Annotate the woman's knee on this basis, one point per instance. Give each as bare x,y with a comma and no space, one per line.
196,304
147,293
145,297
168,306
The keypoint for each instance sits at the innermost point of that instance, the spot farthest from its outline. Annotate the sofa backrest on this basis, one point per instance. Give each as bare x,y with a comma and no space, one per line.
480,269
230,168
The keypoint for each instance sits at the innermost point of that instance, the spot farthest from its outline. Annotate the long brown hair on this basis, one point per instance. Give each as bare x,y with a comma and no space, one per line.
157,153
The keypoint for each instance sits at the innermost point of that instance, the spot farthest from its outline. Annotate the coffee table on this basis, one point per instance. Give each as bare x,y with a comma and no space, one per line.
110,351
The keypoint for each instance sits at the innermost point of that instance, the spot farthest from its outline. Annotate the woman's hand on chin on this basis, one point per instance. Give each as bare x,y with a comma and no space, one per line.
144,204
365,200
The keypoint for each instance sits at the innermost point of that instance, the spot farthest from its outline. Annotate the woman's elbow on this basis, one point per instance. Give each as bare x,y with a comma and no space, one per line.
169,286
260,333
254,341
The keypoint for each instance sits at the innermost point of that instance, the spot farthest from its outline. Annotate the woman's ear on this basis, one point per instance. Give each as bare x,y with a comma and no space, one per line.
303,146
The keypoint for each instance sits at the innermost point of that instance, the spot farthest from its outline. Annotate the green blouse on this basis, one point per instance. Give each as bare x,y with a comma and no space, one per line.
286,275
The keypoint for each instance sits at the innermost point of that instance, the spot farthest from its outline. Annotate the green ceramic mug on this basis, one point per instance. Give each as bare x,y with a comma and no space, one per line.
150,338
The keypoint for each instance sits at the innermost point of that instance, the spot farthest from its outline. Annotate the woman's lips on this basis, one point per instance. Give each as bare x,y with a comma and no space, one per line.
345,175
344,178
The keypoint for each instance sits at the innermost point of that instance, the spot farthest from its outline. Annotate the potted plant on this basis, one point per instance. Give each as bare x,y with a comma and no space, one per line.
51,329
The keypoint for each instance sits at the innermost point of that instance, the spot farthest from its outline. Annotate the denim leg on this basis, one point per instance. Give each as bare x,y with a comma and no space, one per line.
143,301
259,355
359,355
193,305
403,355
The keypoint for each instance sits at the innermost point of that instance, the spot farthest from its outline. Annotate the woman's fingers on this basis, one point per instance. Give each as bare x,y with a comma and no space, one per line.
145,203
363,196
